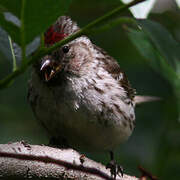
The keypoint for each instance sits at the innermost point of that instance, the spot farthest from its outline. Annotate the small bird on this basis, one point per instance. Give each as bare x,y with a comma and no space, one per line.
80,94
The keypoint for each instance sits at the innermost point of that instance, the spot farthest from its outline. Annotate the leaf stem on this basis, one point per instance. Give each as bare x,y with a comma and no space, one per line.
23,44
43,51
111,24
112,13
13,55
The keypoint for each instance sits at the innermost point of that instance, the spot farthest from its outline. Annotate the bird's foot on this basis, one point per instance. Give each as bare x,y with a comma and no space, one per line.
115,168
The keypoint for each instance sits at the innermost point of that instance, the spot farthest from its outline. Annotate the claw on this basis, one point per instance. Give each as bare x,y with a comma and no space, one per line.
120,170
115,169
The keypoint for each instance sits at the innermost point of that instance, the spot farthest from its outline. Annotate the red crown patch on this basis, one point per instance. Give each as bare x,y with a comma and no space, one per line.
52,37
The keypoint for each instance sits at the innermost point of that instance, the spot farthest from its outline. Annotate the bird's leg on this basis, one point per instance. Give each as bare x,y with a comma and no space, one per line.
115,169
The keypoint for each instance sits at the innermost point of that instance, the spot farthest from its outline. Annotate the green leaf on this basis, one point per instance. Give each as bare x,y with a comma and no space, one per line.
11,28
160,50
11,6
162,40
39,15
4,45
35,16
151,54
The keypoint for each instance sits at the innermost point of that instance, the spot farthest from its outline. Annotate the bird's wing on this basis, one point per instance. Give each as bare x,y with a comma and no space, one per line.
112,66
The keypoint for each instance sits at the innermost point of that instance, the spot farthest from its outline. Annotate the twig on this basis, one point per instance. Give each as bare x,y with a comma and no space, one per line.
146,174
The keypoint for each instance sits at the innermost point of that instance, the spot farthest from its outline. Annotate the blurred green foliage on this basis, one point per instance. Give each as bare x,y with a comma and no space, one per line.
155,143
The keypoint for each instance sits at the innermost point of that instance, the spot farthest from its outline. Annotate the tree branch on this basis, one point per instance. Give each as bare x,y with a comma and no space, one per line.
22,160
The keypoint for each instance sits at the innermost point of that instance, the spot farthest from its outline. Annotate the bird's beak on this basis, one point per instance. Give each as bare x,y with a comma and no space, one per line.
49,69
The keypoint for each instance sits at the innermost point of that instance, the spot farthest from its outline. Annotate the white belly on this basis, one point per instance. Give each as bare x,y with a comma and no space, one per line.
65,114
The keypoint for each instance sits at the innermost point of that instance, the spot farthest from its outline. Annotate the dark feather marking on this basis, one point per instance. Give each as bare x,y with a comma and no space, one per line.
106,108
131,126
100,77
111,65
124,123
94,81
108,86
118,96
120,112
99,90
131,116
113,98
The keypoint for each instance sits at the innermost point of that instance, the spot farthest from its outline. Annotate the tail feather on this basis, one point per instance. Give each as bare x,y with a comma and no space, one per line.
143,99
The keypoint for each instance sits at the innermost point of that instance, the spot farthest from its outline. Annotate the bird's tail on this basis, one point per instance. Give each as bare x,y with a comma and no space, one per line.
143,99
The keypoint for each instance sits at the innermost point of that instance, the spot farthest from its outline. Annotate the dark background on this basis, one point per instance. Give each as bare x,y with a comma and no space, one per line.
155,143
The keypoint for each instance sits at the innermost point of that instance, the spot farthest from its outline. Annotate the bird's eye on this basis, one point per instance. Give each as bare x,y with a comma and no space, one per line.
65,49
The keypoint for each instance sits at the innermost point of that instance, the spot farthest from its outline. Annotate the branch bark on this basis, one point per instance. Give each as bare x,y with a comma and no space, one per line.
22,160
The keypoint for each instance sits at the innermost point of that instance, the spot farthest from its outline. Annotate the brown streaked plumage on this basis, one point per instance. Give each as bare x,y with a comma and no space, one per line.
80,94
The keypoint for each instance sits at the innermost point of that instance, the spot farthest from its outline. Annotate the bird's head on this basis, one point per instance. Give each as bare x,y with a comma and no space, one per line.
68,58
